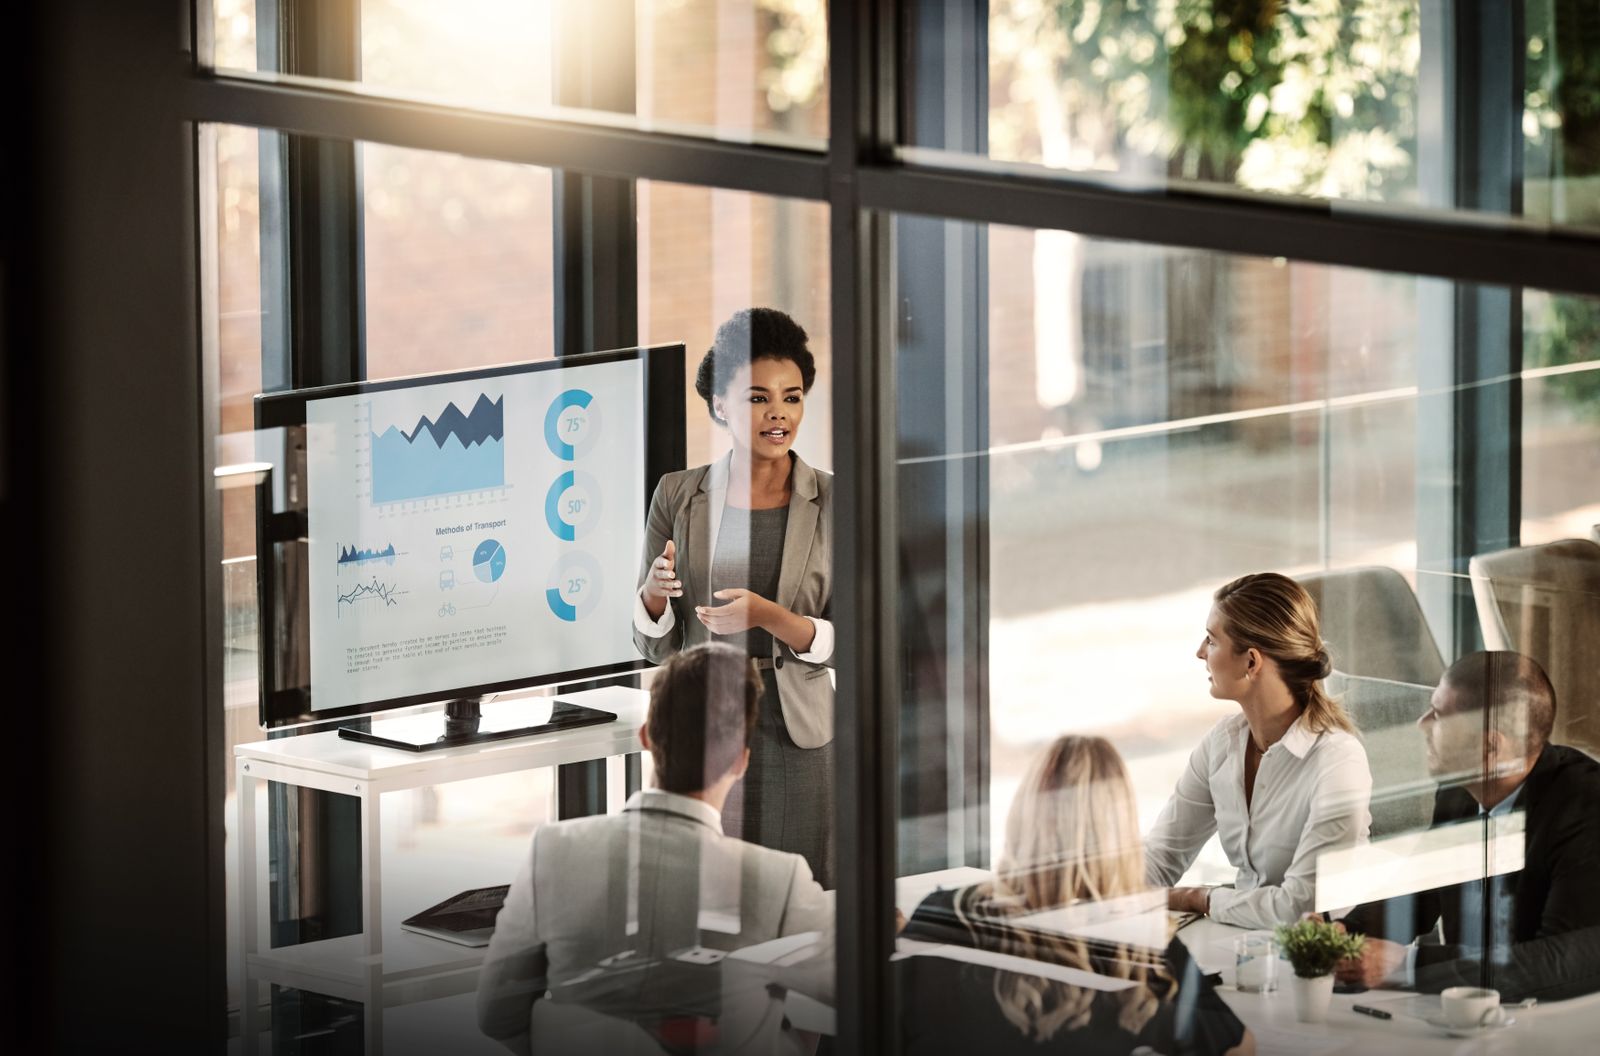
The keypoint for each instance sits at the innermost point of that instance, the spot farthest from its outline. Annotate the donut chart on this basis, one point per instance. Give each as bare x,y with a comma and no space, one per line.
572,424
572,505
574,586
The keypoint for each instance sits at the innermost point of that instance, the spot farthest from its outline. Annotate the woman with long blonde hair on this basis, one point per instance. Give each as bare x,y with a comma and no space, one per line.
1027,974
1282,781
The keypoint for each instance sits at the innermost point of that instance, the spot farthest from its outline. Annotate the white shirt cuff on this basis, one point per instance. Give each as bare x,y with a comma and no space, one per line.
821,641
648,627
1404,974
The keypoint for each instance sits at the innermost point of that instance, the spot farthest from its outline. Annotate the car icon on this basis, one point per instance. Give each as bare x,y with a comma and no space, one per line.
447,553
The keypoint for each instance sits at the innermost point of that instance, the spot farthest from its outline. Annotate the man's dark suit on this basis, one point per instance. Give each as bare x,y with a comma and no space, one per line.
1548,944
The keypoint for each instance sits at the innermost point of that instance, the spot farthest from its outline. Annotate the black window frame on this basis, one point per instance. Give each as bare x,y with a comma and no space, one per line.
865,181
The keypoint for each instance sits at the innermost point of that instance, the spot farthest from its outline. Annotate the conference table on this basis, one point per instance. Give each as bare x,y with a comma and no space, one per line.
1555,1027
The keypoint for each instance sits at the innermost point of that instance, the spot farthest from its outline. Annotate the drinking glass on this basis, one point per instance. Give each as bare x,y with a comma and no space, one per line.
1256,963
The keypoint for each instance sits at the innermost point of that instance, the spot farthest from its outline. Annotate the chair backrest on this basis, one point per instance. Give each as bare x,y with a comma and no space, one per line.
1386,713
1374,626
1544,602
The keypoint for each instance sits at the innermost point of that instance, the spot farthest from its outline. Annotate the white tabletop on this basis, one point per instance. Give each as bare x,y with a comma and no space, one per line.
332,756
1562,1026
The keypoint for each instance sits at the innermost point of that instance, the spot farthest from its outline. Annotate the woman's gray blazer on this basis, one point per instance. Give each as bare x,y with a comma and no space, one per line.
687,508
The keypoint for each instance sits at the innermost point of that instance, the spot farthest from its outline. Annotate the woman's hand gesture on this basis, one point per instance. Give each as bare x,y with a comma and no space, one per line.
663,581
744,609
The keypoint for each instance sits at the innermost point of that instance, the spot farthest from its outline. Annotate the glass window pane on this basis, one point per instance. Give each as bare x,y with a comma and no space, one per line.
736,66
234,34
744,70
480,52
1560,419
459,261
1341,101
234,349
1102,446
755,250
455,270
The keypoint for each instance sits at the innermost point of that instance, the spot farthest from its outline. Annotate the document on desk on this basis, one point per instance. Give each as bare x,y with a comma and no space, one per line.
1005,962
1132,920
1295,1041
782,951
1416,1006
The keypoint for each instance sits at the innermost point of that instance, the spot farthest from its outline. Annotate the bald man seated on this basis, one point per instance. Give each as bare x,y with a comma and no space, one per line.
1534,932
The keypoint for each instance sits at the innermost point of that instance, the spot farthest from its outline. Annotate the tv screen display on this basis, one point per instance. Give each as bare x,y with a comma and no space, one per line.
461,533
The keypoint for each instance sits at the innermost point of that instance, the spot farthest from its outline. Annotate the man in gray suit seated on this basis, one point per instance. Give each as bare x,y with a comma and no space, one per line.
624,923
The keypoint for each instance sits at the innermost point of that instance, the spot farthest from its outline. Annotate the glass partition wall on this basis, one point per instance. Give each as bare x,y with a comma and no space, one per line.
1100,448
1106,315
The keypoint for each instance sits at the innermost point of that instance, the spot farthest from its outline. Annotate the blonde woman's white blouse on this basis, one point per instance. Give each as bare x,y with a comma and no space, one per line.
1311,795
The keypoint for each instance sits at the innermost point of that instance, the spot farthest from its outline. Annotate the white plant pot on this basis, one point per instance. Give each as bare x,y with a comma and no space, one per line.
1311,997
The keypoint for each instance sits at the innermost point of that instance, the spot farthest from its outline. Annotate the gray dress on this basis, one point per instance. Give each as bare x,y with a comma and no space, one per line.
785,801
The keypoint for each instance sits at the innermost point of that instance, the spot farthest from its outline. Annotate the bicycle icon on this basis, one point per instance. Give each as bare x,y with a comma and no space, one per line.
447,609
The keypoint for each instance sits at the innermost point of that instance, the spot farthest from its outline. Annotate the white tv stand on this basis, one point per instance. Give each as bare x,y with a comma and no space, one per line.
382,970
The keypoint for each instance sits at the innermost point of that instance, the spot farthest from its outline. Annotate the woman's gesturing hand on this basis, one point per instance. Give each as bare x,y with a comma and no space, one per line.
663,581
744,609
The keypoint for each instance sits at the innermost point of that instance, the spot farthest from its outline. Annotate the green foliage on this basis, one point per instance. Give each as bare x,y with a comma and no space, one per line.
1563,89
1314,947
1292,96
796,53
1558,331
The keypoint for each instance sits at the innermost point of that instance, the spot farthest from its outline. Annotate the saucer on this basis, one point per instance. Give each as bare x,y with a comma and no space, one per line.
1469,1032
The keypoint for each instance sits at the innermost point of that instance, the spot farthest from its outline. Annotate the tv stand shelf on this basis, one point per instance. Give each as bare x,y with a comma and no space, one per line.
385,966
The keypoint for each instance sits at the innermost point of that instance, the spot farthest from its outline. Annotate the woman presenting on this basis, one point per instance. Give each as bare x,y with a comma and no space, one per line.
741,551
1282,781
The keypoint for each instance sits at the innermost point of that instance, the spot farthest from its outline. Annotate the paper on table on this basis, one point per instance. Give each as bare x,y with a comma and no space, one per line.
1005,962
1133,920
1417,1006
909,891
1215,956
1288,1041
775,951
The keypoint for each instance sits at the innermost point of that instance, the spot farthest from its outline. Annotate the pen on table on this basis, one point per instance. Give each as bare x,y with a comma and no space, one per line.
1375,1013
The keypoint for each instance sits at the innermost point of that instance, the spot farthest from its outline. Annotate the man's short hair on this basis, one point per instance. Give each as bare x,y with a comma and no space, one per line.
702,711
1514,690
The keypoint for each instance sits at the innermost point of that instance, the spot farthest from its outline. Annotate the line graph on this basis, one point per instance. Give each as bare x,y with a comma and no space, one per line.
443,455
375,591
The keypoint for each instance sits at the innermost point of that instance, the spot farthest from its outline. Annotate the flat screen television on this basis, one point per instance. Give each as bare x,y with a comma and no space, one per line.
453,536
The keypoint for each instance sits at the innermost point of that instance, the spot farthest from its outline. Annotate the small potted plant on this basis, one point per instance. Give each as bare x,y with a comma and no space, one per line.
1314,948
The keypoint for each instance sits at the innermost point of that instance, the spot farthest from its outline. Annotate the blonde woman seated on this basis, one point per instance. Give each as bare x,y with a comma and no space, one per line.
1281,782
1000,978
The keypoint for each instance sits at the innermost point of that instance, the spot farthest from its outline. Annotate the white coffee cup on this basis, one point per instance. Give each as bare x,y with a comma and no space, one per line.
1471,1006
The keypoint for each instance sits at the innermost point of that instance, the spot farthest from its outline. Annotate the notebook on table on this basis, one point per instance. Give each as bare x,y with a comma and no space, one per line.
467,918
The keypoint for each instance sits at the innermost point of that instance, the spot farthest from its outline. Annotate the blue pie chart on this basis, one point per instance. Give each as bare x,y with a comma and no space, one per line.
489,561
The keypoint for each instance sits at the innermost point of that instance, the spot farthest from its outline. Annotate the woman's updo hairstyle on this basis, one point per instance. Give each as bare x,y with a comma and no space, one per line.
748,335
1274,615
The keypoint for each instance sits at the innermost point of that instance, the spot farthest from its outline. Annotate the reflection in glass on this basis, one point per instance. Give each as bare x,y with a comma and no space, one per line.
1093,435
650,928
740,551
1065,947
1501,873
752,250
